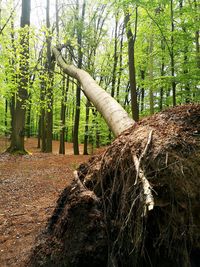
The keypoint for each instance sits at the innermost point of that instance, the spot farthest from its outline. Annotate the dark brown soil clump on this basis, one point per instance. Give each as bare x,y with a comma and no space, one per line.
105,221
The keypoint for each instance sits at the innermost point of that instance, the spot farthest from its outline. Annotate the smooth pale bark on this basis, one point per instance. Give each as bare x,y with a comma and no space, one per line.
115,116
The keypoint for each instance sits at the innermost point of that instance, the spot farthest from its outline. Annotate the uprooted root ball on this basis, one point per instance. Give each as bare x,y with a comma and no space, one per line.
107,220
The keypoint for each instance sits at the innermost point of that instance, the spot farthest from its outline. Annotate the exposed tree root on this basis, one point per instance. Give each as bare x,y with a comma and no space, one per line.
152,169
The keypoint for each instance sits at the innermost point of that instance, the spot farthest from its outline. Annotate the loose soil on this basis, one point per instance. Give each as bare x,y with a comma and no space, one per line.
29,187
105,216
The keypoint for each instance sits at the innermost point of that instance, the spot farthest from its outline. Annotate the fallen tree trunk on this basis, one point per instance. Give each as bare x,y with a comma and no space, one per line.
115,116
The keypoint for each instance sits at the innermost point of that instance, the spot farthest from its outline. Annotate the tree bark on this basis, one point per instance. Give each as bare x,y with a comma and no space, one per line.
185,55
197,8
172,55
115,56
63,115
151,95
86,135
18,119
78,88
131,62
120,63
162,73
113,113
142,73
5,117
49,83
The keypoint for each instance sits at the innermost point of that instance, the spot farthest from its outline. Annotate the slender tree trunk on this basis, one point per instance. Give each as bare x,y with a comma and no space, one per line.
28,118
76,121
151,95
64,93
120,63
162,73
185,55
161,88
78,89
18,120
197,48
115,57
142,90
39,133
6,117
197,8
172,55
131,58
13,96
187,86
97,133
57,22
127,92
86,135
63,115
49,84
42,116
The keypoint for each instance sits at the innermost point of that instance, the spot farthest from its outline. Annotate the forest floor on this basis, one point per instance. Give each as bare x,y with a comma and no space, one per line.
29,187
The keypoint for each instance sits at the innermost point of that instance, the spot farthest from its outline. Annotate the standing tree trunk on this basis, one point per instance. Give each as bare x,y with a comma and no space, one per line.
131,62
86,135
162,73
142,73
63,115
39,133
49,84
65,89
78,88
42,115
197,8
28,118
172,55
151,96
19,112
115,57
120,63
185,55
5,117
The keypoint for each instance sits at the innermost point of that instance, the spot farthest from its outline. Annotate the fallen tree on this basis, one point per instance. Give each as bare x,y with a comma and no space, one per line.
137,203
115,116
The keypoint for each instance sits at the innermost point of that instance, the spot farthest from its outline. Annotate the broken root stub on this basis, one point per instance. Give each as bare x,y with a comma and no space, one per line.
103,222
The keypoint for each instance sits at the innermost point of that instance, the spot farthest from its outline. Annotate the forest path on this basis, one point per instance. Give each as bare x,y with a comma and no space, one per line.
29,187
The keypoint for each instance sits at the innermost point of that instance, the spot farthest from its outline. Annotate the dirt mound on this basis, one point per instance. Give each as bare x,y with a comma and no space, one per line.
105,218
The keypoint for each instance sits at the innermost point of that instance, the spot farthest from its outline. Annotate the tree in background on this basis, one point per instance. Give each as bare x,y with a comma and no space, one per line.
19,105
131,61
104,43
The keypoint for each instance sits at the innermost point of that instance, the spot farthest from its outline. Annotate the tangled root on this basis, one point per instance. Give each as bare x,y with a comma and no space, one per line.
145,190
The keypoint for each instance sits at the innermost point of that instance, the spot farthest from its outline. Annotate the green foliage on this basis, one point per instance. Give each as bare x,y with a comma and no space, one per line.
154,22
